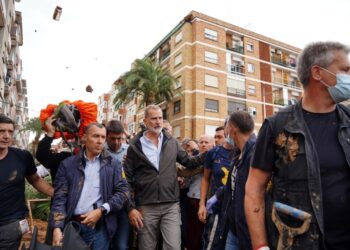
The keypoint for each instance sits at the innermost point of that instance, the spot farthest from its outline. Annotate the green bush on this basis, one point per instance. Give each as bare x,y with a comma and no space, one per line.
40,210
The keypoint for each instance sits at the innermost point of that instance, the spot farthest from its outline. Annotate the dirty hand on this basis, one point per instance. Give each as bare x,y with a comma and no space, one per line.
135,218
49,126
91,218
57,237
202,213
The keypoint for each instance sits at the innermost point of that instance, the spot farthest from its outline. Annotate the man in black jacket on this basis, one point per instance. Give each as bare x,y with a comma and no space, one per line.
44,155
150,169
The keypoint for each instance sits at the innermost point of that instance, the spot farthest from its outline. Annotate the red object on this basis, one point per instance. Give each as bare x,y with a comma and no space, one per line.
88,114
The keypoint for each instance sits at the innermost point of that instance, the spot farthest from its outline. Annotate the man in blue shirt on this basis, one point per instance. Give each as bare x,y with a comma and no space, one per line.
118,149
89,189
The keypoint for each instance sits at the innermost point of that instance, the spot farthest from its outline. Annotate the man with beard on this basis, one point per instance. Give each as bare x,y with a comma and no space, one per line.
150,169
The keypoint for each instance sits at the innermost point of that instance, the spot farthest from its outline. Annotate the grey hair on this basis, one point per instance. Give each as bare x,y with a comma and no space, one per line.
318,53
149,107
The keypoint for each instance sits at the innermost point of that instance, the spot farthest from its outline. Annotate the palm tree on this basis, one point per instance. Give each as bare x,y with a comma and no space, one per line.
146,79
34,125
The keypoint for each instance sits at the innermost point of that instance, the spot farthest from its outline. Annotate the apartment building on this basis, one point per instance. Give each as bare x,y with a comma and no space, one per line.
221,68
13,89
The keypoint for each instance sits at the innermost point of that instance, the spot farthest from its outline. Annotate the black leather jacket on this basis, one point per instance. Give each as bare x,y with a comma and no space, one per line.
296,178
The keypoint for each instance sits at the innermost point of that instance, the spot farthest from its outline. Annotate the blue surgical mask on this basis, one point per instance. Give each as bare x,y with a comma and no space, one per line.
230,141
341,91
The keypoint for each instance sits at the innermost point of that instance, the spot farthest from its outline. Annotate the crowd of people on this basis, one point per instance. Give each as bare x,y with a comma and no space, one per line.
287,188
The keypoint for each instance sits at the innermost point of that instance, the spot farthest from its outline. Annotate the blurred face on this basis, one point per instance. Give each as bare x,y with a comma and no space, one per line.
114,141
154,121
168,127
95,139
205,144
6,134
219,137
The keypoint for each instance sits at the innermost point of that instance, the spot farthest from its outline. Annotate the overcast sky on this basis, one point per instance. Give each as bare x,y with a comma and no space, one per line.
96,41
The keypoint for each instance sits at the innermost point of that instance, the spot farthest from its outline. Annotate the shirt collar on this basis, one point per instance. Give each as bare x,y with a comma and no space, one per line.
160,137
94,159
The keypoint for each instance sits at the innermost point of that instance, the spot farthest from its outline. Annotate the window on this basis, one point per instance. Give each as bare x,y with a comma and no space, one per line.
252,111
176,132
251,90
211,105
235,106
131,128
178,38
178,59
251,68
178,82
211,81
250,47
210,34
211,57
177,107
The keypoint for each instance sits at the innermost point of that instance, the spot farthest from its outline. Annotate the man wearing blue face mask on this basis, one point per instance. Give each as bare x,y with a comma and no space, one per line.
306,148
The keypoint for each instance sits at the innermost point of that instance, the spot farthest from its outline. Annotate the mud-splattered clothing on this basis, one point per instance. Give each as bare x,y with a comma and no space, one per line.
69,184
286,146
16,165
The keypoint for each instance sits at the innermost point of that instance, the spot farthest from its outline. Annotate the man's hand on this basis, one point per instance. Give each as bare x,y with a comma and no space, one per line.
136,219
91,218
202,213
50,128
57,237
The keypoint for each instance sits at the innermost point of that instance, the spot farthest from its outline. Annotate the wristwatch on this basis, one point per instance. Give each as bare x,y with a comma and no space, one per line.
103,210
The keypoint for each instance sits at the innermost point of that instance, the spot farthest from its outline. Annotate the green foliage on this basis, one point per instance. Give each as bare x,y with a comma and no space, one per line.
40,210
146,79
33,125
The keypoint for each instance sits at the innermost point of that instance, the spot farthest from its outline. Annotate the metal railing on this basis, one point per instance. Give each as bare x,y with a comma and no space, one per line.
236,69
236,92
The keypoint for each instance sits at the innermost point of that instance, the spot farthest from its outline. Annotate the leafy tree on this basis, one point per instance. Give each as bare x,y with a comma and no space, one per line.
146,79
34,125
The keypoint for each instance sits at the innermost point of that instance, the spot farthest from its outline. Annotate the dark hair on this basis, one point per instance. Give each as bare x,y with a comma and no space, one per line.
243,121
5,119
219,128
114,126
99,125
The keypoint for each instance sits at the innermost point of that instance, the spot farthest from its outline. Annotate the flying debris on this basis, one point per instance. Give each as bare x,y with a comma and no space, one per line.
67,67
57,13
35,30
89,89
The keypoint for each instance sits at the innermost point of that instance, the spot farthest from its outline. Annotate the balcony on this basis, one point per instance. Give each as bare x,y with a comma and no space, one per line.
236,69
278,59
165,55
279,101
236,48
236,92
288,83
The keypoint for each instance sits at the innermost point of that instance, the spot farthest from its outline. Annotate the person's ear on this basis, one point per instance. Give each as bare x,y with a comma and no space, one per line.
316,73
